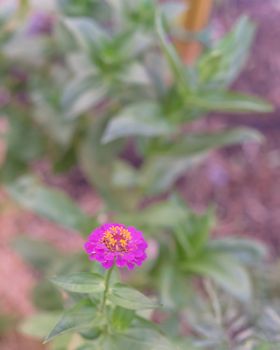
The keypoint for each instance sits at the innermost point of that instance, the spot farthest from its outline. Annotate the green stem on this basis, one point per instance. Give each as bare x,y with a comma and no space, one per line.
217,310
23,8
107,283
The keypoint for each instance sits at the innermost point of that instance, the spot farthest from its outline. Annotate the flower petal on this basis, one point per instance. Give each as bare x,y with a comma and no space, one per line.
114,243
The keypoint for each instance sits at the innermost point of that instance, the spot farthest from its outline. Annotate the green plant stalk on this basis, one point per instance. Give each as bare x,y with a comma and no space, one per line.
23,8
107,283
217,310
214,301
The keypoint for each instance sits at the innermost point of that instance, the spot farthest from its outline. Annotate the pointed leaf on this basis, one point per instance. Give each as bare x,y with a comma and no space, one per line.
161,172
53,204
171,54
228,102
222,63
138,339
191,144
81,316
245,250
156,216
39,325
193,233
224,270
86,31
82,94
130,298
138,119
82,282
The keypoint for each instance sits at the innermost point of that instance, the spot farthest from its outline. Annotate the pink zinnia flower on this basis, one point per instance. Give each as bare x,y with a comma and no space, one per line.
116,244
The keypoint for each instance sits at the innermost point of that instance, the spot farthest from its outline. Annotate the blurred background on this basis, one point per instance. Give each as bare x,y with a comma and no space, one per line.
243,182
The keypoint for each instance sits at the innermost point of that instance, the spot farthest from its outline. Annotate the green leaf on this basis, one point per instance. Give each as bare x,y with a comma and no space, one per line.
48,115
130,298
227,102
222,63
63,342
53,204
82,94
66,161
156,216
193,233
265,345
122,318
21,127
191,144
184,343
79,317
248,251
140,14
81,8
171,54
82,282
200,229
224,270
85,347
170,276
138,339
12,168
138,119
161,172
38,325
87,32
124,175
135,74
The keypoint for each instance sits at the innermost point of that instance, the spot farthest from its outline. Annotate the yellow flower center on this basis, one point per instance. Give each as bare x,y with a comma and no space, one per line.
116,239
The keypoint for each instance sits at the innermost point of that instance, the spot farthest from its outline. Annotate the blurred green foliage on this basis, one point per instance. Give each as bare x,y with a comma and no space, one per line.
96,85
86,80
